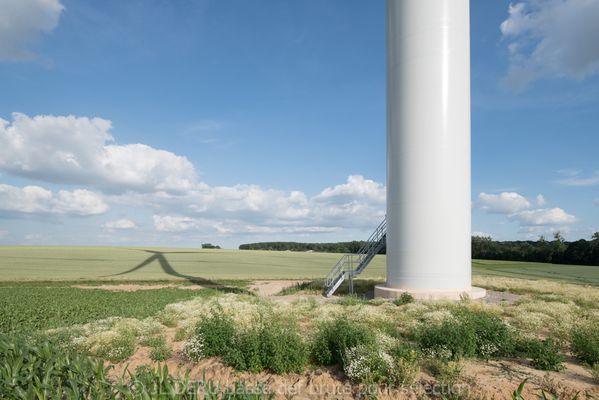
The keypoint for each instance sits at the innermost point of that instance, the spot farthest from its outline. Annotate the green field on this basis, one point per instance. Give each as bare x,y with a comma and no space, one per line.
121,263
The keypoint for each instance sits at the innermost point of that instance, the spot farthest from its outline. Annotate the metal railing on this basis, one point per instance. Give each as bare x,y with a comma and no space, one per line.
350,265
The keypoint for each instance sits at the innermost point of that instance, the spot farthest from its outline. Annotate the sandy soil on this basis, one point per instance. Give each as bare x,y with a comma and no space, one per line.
271,288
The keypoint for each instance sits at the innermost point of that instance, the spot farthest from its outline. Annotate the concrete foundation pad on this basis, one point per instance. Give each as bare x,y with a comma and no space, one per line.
385,292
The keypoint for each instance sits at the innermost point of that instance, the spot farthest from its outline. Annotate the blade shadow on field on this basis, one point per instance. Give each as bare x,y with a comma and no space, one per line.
168,269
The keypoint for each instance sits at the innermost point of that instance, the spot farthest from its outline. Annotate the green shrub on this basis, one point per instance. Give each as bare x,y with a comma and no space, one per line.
116,348
333,338
405,298
544,354
469,334
217,332
283,348
405,369
585,342
446,372
492,336
449,339
366,364
269,345
159,348
245,351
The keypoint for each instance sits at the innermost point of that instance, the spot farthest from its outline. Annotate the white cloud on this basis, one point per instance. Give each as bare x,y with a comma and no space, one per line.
355,188
517,208
544,216
249,209
24,21
81,150
540,200
576,180
170,223
122,223
37,200
551,38
503,203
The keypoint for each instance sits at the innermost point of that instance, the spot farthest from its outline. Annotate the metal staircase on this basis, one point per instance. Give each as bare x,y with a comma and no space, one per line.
351,265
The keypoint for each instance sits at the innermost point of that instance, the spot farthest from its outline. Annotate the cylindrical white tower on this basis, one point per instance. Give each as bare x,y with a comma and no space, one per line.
428,149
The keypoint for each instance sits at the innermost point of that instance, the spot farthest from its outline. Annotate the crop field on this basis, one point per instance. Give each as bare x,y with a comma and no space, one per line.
201,315
118,263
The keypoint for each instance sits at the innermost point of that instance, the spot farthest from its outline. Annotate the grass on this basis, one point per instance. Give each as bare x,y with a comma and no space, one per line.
584,274
34,263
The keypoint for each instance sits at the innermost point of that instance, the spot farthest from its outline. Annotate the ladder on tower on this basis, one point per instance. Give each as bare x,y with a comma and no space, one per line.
351,265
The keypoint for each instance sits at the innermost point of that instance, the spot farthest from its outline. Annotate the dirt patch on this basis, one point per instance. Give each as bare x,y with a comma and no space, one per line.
271,288
495,297
136,287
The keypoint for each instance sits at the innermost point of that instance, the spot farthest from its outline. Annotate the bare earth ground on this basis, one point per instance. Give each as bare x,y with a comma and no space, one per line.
496,379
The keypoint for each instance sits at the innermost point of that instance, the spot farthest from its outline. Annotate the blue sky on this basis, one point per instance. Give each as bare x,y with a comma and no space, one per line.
178,123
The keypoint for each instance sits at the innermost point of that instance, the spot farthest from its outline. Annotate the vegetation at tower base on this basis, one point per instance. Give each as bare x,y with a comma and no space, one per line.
356,340
557,251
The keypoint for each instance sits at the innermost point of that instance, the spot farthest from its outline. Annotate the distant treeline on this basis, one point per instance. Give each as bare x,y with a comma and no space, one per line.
341,247
557,251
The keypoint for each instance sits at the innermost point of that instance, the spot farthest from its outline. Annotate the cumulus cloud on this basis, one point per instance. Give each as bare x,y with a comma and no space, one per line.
37,200
518,208
551,38
81,150
503,203
178,223
22,22
540,200
120,224
544,216
246,209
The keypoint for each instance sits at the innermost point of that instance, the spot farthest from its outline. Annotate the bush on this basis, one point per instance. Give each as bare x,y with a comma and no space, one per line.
544,354
492,336
367,364
269,344
283,348
405,369
244,354
446,372
405,298
470,334
335,337
585,342
159,348
217,332
449,339
117,347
